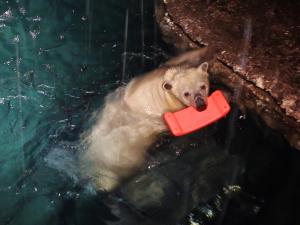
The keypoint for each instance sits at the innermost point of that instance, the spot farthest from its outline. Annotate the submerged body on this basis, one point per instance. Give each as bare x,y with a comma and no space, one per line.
116,146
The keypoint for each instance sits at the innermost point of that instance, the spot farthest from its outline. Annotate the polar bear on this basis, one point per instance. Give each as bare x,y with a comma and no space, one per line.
115,148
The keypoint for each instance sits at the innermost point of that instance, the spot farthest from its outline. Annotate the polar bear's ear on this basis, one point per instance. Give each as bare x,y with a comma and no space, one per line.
168,78
167,86
169,74
203,67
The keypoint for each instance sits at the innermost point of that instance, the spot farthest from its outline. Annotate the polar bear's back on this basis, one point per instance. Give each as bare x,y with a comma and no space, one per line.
116,146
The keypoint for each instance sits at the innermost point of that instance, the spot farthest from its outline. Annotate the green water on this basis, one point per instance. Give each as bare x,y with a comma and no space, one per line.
57,61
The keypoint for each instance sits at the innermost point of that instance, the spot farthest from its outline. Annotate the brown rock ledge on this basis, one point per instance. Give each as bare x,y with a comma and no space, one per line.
256,48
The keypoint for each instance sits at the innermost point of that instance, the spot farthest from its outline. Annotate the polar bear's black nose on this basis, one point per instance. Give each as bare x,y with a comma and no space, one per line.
200,103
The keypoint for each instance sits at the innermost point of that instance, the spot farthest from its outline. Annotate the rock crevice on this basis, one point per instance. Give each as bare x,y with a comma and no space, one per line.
256,49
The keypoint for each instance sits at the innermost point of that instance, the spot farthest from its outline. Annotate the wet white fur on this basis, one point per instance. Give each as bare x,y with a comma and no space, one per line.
116,146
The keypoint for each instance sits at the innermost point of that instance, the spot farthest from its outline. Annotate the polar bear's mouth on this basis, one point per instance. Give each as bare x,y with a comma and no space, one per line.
200,103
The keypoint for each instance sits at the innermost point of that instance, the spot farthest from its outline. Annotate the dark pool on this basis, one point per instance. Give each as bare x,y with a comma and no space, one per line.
58,59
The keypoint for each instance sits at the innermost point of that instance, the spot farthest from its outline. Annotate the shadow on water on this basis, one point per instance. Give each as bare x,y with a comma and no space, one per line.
58,60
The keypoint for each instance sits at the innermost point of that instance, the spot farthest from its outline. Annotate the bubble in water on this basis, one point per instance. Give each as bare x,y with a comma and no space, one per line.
152,164
7,15
16,39
34,19
7,62
232,189
22,10
256,209
37,18
208,213
242,117
34,33
47,66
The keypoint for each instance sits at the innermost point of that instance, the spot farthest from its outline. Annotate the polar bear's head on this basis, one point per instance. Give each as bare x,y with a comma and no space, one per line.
189,85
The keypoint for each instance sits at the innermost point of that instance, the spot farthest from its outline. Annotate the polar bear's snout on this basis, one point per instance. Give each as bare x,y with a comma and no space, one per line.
200,102
200,98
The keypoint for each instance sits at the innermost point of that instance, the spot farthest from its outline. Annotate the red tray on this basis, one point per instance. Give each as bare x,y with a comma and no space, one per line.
189,119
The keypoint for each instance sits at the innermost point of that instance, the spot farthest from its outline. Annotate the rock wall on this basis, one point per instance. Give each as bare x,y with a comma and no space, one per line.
256,52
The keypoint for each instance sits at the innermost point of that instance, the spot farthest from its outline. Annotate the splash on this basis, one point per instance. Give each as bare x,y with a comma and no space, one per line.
142,33
7,15
34,33
234,116
244,52
16,41
124,55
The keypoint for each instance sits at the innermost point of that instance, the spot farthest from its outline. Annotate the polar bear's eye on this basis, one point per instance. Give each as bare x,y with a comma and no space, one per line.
186,94
203,87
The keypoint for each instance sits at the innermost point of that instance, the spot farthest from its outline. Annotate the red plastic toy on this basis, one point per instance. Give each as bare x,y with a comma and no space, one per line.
189,119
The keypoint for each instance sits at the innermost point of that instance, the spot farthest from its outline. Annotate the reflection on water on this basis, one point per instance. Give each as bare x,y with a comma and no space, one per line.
58,59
